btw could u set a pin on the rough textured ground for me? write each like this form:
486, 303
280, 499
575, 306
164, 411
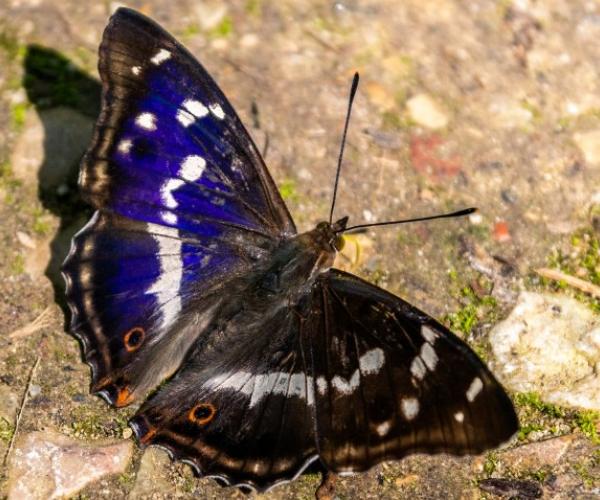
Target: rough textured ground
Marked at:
494, 104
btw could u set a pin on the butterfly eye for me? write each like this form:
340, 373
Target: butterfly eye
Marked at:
202, 413
133, 338
339, 243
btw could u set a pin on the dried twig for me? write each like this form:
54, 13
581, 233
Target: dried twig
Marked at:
584, 286
42, 321
21, 407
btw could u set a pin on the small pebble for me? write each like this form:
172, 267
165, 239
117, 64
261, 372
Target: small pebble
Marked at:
426, 112
475, 218
589, 145
127, 433
501, 232
34, 390
25, 240
508, 196
368, 215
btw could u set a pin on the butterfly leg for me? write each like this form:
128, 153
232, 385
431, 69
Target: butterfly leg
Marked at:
326, 490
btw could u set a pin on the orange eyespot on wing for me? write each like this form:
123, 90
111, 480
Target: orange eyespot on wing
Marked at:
146, 438
202, 413
134, 338
124, 397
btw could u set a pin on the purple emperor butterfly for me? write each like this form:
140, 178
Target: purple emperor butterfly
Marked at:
191, 283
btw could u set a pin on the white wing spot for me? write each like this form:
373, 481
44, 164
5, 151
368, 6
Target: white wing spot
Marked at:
418, 368
346, 386
410, 408
372, 361
264, 384
369, 363
166, 192
217, 110
428, 334
168, 217
191, 110
459, 417
161, 56
146, 120
136, 70
322, 385
383, 429
429, 356
124, 146
474, 389
166, 287
192, 167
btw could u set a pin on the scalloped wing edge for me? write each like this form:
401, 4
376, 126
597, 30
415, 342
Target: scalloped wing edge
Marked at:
227, 479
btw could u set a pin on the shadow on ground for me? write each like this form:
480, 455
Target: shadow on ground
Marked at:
63, 96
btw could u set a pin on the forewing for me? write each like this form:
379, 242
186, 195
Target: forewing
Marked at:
390, 380
168, 147
242, 410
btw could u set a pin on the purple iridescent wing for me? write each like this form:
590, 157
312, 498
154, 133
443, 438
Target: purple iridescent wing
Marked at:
184, 202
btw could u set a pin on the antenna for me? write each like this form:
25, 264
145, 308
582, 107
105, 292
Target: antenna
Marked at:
339, 164
460, 213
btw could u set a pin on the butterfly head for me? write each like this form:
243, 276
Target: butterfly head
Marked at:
332, 233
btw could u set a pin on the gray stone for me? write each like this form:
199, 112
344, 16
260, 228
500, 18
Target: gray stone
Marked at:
541, 454
50, 147
589, 145
9, 403
51, 465
152, 475
550, 344
34, 390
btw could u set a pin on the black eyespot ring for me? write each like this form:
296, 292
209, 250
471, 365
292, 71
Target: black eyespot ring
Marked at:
202, 413
134, 338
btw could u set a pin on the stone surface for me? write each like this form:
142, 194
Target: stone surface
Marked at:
152, 474
51, 465
550, 344
426, 112
9, 403
534, 456
36, 260
50, 147
589, 144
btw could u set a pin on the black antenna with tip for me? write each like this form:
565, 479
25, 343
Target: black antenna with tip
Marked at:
339, 165
460, 213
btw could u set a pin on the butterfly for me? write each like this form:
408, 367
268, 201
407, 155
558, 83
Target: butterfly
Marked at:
191, 286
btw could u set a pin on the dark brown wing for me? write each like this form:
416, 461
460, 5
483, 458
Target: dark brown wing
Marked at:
390, 380
241, 410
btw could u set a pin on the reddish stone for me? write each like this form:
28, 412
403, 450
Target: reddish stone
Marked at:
501, 232
424, 157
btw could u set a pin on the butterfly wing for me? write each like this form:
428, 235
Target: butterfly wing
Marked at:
183, 201
390, 380
241, 410
350, 373
168, 147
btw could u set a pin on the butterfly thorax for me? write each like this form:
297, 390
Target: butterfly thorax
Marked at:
297, 262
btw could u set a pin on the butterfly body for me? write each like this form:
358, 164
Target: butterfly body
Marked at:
191, 285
